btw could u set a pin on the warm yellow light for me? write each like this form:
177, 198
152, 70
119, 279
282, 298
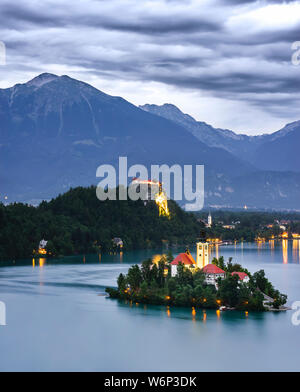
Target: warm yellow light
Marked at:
42, 262
168, 297
162, 202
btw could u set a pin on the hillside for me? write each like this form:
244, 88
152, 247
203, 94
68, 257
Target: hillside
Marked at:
77, 222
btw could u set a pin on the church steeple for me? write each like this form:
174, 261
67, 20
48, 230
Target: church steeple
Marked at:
209, 220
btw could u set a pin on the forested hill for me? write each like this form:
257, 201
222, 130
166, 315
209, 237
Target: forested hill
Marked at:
77, 222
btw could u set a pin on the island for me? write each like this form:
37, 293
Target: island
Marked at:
218, 285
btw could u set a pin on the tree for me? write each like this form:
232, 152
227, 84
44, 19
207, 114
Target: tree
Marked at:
50, 248
134, 277
229, 290
121, 283
146, 270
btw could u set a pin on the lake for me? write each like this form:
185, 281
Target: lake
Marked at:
58, 319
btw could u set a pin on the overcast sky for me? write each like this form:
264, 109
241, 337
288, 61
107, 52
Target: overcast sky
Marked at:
226, 62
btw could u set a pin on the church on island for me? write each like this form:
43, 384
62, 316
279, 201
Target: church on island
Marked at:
212, 272
188, 261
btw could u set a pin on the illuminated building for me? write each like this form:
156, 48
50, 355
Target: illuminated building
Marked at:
162, 201
42, 247
202, 254
285, 235
184, 258
229, 227
152, 190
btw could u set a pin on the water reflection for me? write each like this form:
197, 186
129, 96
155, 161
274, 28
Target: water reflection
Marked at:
168, 311
217, 251
285, 248
193, 314
295, 250
42, 262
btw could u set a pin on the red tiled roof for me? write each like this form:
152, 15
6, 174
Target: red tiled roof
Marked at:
241, 275
183, 258
212, 269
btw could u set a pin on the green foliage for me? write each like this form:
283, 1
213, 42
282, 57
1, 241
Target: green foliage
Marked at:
151, 284
78, 223
229, 290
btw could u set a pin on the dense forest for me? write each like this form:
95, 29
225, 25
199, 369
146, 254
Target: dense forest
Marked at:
153, 284
77, 222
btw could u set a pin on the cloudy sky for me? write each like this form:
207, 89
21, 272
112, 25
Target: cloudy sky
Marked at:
226, 62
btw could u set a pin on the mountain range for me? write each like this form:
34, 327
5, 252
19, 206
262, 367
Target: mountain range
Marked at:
276, 151
55, 131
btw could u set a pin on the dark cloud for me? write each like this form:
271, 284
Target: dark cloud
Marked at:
220, 48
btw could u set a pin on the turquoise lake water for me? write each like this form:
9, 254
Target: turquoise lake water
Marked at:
58, 319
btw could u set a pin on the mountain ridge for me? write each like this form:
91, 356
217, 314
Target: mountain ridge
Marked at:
55, 131
249, 148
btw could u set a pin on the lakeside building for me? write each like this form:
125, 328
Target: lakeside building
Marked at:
202, 259
184, 258
243, 277
42, 247
118, 242
213, 273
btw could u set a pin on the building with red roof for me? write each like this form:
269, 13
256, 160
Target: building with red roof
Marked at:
243, 277
213, 273
184, 258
